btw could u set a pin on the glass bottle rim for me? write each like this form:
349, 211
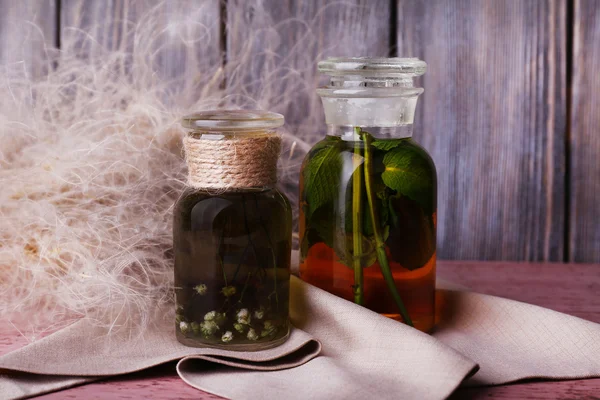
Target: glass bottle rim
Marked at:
393, 67
232, 120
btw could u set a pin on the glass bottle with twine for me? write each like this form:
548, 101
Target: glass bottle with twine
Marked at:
232, 234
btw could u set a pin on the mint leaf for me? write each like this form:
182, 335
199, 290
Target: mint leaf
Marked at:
411, 239
383, 211
410, 172
321, 176
323, 226
386, 144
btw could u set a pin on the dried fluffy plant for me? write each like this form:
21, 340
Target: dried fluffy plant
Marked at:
91, 163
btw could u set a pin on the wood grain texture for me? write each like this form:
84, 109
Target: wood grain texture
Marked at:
27, 32
564, 390
584, 135
569, 288
292, 36
160, 383
184, 40
494, 118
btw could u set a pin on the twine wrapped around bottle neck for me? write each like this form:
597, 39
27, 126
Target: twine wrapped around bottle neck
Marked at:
232, 162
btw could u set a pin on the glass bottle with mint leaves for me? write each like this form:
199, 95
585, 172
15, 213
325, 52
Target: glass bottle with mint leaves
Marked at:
232, 234
368, 193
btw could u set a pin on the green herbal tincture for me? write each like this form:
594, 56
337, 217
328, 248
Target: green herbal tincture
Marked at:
368, 193
232, 234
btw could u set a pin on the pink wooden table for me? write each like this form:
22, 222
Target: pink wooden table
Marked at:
569, 288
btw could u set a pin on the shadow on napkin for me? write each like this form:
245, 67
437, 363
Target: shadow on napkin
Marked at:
513, 341
363, 354
83, 352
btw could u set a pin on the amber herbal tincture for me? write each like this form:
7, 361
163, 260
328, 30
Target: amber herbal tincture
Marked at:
232, 234
368, 193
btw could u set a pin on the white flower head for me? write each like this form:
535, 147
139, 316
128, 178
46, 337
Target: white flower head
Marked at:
201, 289
239, 327
229, 291
184, 327
210, 316
208, 328
252, 334
243, 316
227, 336
269, 329
259, 314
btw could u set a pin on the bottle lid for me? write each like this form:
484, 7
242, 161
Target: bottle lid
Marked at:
393, 67
370, 92
232, 120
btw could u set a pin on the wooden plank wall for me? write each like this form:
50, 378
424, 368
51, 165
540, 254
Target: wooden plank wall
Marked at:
584, 135
494, 117
510, 113
327, 29
27, 29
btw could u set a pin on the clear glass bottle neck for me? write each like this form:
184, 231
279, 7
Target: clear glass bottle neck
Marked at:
385, 107
348, 132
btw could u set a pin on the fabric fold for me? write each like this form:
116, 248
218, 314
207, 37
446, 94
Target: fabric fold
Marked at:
83, 352
479, 340
364, 355
512, 341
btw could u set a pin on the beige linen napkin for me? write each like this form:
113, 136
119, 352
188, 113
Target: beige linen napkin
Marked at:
363, 354
83, 352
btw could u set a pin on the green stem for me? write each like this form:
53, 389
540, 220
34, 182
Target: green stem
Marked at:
245, 286
247, 225
221, 258
262, 224
250, 244
379, 242
357, 220
237, 270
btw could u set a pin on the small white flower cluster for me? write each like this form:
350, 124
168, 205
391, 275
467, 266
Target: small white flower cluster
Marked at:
201, 289
210, 316
179, 314
243, 317
184, 327
268, 329
259, 314
252, 335
227, 337
211, 323
214, 321
229, 291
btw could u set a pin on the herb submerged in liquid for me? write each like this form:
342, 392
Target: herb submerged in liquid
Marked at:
368, 205
232, 259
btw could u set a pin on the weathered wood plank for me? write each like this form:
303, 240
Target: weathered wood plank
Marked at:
494, 118
584, 135
568, 288
27, 30
275, 46
575, 389
180, 40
